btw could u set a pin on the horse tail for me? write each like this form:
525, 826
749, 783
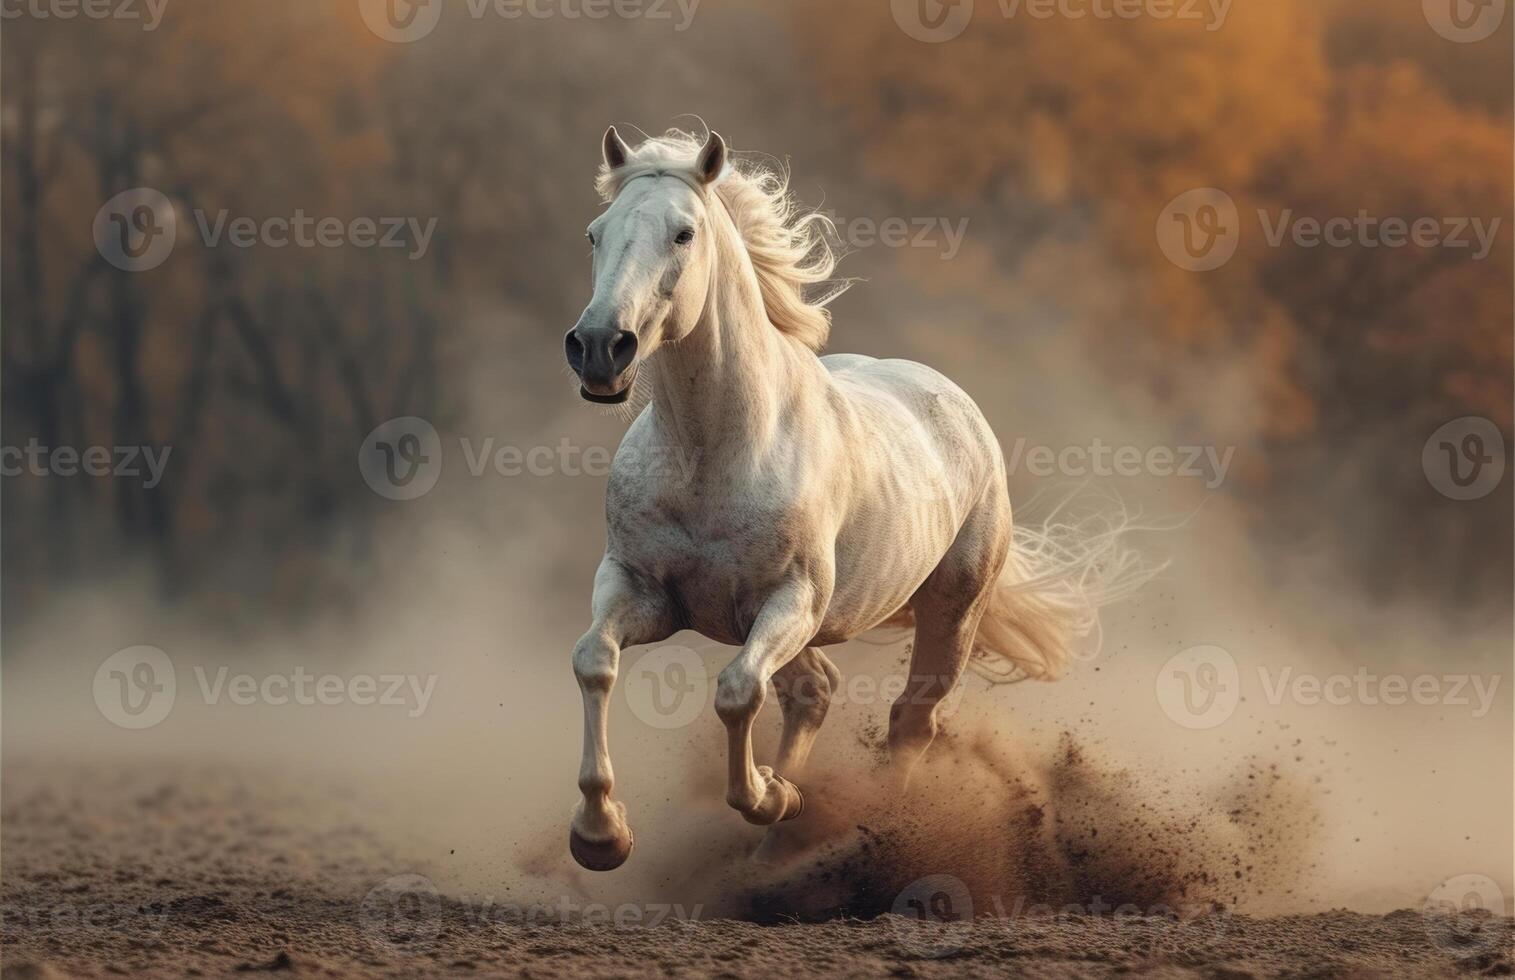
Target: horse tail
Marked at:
1045, 605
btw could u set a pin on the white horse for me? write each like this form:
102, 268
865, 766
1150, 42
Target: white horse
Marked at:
831, 494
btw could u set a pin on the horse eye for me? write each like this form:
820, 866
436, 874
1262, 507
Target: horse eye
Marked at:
684, 237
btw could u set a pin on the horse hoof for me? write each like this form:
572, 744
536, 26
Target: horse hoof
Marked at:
600, 855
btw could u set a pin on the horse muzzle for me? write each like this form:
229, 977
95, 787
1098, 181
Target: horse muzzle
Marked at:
605, 361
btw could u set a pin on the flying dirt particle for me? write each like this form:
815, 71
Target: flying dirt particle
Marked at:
1073, 833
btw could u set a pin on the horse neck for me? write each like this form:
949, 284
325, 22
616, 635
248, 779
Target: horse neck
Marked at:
726, 386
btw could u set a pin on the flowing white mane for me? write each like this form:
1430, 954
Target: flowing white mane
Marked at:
789, 248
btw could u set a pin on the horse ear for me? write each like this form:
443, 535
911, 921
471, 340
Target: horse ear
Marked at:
615, 150
712, 159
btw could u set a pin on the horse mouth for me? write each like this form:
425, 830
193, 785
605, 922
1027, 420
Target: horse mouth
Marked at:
615, 398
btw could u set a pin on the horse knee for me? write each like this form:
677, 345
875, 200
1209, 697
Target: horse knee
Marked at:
738, 694
594, 663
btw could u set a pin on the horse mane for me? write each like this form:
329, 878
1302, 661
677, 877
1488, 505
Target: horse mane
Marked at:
790, 248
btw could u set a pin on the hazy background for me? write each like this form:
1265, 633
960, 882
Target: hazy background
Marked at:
1058, 141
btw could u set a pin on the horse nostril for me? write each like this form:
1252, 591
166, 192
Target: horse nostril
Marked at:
574, 347
623, 351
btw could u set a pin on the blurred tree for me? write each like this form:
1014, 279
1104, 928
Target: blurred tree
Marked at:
1080, 131
241, 360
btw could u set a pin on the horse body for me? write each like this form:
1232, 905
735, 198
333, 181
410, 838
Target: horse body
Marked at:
865, 528
827, 494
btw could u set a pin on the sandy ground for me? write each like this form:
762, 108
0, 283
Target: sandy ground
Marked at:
174, 871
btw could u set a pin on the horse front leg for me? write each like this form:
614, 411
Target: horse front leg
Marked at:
627, 611
782, 629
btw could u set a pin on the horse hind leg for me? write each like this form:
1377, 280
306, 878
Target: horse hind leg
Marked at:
948, 607
805, 686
